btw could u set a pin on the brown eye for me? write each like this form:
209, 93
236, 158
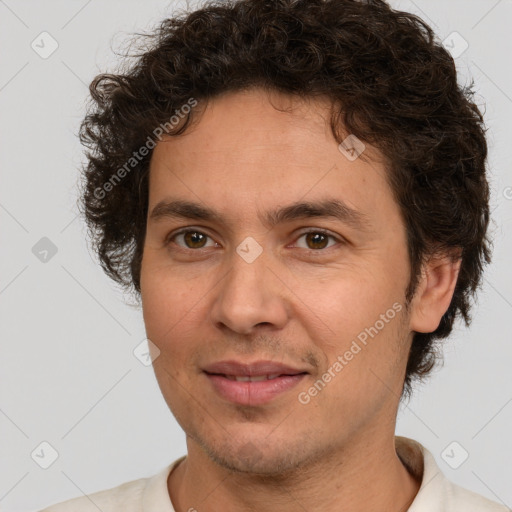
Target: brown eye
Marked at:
317, 240
194, 239
191, 239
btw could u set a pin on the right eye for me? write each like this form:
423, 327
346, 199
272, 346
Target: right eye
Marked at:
189, 239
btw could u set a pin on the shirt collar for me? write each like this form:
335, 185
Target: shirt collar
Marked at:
422, 465
156, 494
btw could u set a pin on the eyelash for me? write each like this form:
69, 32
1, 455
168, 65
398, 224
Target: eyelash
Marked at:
172, 236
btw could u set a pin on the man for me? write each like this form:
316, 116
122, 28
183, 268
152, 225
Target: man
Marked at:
297, 192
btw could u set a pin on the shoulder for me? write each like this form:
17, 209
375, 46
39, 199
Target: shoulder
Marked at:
436, 492
127, 497
130, 496
459, 499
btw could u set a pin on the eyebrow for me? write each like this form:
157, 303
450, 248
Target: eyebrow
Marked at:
328, 208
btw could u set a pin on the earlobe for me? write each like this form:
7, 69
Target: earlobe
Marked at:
434, 292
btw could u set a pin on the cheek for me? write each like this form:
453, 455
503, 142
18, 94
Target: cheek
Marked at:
347, 301
175, 311
364, 365
361, 322
169, 328
165, 303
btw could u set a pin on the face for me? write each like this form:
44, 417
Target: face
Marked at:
248, 273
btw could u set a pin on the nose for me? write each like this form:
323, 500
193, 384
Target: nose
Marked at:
249, 297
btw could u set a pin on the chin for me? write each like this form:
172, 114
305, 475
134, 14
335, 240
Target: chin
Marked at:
258, 458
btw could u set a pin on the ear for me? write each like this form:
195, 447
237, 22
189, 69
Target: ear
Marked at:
434, 291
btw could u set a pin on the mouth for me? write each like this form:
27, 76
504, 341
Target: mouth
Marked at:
255, 378
252, 385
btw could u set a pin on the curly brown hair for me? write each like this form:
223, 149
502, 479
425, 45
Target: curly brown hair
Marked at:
391, 82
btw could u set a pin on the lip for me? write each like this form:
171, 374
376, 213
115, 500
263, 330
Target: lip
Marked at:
252, 393
252, 369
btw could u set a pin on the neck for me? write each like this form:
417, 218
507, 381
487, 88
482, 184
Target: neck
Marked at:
358, 477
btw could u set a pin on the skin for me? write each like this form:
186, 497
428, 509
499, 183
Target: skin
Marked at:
299, 302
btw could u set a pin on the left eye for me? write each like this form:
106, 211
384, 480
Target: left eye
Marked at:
317, 239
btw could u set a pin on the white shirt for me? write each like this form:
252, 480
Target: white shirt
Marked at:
436, 493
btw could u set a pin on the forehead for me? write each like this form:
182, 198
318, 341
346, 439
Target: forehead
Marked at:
252, 126
252, 148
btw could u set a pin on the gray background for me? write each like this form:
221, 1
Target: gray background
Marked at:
68, 373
